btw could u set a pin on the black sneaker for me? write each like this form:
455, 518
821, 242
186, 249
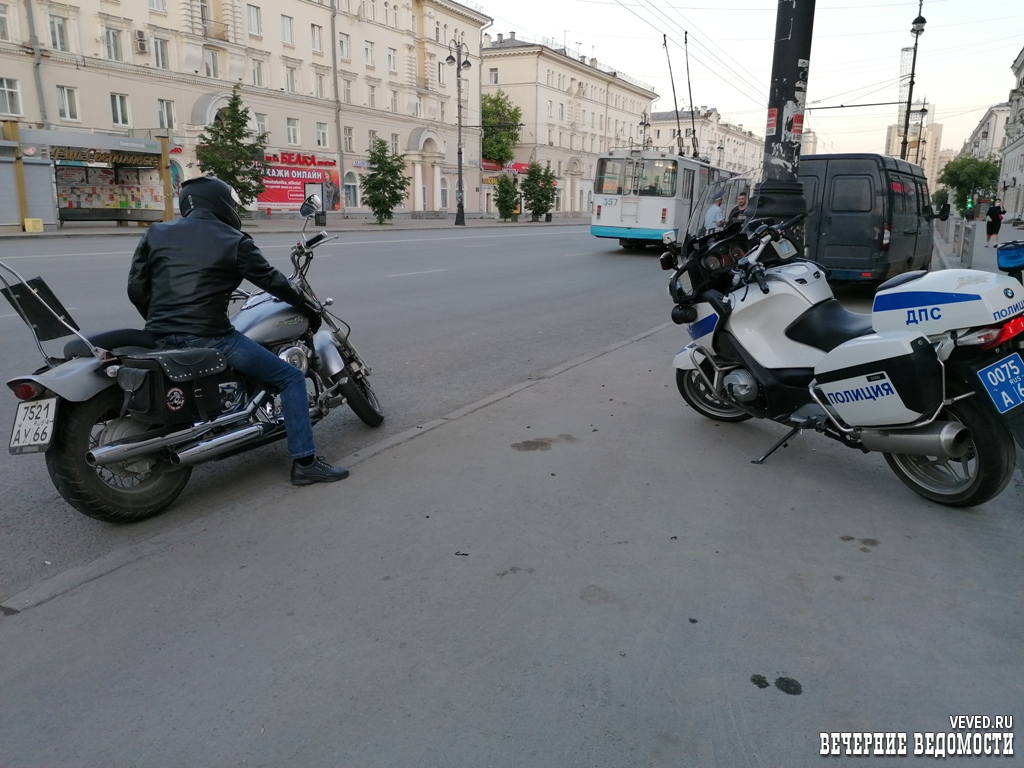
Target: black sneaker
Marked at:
317, 472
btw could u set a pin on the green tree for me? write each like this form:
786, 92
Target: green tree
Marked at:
507, 197
539, 189
232, 152
968, 176
500, 118
385, 186
940, 197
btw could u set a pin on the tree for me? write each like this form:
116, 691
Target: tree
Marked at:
232, 152
384, 188
968, 176
539, 189
507, 197
940, 197
500, 118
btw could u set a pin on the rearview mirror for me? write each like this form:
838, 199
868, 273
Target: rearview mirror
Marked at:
310, 206
944, 212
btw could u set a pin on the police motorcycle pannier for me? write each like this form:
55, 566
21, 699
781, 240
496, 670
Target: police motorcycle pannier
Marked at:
174, 386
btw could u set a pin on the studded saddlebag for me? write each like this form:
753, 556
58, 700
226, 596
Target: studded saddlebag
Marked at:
174, 386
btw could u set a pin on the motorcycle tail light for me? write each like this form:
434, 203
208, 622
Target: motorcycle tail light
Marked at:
993, 335
27, 390
1010, 330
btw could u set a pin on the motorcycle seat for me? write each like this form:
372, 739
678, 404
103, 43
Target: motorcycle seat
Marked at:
110, 340
827, 325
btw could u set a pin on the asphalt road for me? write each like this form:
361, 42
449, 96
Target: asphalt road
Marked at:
444, 319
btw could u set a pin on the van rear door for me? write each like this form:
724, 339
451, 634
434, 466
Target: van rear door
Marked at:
850, 232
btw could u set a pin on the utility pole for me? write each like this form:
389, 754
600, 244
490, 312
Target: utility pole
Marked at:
780, 195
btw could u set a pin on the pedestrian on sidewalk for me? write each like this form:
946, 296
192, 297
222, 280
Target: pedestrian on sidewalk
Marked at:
995, 219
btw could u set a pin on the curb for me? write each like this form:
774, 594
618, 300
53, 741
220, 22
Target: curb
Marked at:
64, 582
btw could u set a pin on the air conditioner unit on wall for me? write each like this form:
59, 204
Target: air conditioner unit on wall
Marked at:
141, 44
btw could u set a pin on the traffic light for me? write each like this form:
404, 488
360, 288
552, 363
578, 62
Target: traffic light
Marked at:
970, 203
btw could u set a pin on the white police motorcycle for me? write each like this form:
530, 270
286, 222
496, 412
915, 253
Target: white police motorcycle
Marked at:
933, 378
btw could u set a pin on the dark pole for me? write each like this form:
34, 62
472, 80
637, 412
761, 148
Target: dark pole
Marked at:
780, 195
460, 59
915, 30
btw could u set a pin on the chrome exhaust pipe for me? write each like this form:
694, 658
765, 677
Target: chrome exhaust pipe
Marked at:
944, 440
215, 446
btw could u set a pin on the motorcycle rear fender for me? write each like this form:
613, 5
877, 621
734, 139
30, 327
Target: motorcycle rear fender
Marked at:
77, 380
327, 351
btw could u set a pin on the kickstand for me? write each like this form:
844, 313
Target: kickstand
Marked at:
789, 435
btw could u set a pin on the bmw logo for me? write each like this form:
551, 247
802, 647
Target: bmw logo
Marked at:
1008, 293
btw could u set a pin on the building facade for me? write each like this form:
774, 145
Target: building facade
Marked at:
1011, 173
322, 78
718, 142
573, 109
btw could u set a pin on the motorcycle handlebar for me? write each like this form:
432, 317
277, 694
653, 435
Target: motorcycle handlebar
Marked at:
762, 283
316, 239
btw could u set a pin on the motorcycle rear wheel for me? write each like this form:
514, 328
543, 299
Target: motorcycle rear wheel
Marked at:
979, 475
699, 396
116, 493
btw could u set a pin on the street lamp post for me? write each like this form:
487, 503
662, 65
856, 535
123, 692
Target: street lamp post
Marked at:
458, 57
916, 29
645, 126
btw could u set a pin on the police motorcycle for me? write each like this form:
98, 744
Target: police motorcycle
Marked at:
122, 422
933, 378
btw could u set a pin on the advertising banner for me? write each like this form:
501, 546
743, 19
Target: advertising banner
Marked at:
290, 177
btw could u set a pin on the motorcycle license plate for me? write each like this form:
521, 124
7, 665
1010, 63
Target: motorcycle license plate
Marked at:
1004, 382
33, 426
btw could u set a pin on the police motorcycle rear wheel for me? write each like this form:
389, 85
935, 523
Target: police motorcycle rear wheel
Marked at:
979, 475
128, 492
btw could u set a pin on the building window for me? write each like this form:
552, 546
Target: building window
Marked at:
317, 37
286, 30
417, 109
210, 68
67, 102
344, 46
59, 33
5, 22
165, 110
492, 76
373, 10
158, 5
561, 111
257, 73
321, 85
255, 20
161, 58
291, 79
392, 59
551, 108
437, 31
394, 101
444, 111
321, 135
10, 97
368, 53
394, 143
119, 109
347, 137
351, 190
372, 136
371, 96
112, 43
346, 91
444, 194
441, 67
261, 123
293, 130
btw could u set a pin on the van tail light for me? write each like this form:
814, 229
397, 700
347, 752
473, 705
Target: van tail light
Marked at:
664, 214
599, 211
994, 335
886, 237
26, 390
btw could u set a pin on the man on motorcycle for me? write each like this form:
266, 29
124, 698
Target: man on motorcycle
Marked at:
181, 279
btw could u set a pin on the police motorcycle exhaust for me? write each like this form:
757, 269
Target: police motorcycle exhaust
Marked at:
932, 378
121, 422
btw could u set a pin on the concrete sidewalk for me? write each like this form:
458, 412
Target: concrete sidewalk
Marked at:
290, 223
579, 571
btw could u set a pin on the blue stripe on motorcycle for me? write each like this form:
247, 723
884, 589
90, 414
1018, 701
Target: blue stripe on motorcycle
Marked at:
916, 299
702, 327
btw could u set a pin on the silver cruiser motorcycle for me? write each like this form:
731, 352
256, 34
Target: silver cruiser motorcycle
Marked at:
122, 422
932, 378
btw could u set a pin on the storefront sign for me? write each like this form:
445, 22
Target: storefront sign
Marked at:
83, 155
285, 187
294, 158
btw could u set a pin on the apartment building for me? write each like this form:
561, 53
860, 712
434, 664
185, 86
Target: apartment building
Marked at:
1011, 173
574, 108
718, 142
322, 77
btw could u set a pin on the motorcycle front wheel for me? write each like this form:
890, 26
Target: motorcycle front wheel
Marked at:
361, 398
699, 396
974, 478
115, 493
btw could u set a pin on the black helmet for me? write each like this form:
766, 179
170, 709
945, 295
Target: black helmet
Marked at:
210, 194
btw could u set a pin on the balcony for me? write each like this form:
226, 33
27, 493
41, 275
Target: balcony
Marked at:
214, 30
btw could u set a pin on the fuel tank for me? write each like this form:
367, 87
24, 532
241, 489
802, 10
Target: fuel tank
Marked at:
267, 320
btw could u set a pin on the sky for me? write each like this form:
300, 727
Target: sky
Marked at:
963, 60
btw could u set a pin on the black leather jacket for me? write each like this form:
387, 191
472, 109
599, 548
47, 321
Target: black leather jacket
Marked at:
183, 273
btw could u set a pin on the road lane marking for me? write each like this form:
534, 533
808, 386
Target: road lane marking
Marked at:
424, 272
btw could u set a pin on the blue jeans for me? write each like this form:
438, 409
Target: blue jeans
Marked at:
247, 357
